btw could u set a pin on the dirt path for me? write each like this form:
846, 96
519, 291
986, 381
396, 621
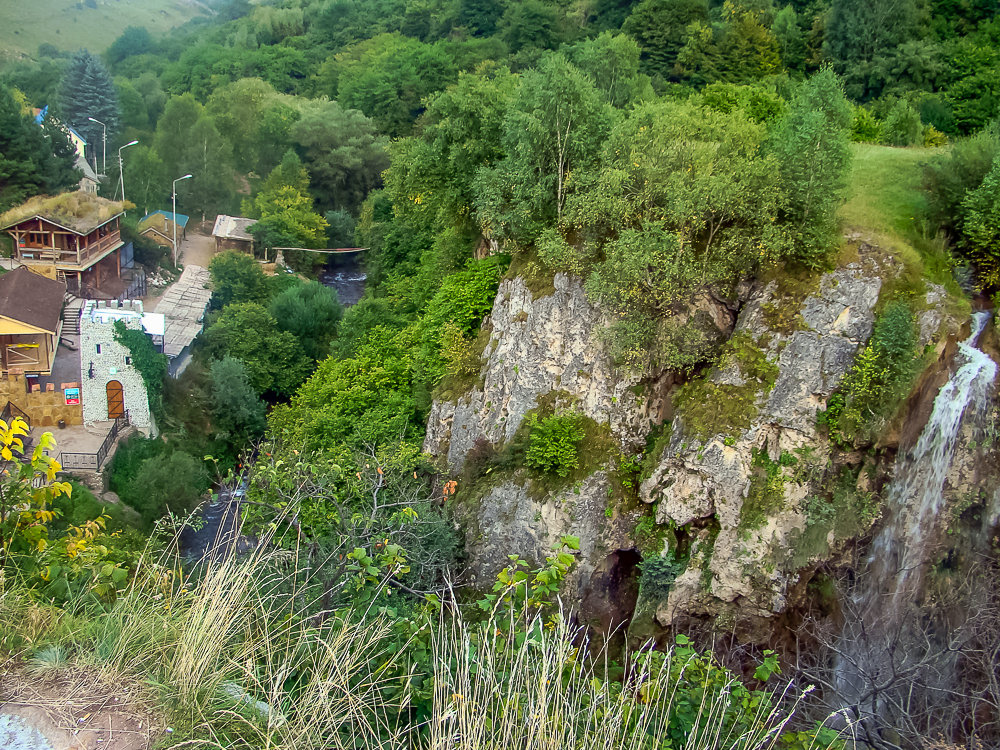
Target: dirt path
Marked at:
197, 250
199, 247
74, 709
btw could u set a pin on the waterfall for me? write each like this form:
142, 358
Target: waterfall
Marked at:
873, 642
899, 553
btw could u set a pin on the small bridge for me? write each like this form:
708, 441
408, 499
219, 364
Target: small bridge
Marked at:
327, 251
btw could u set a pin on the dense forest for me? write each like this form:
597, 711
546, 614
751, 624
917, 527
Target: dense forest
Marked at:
675, 157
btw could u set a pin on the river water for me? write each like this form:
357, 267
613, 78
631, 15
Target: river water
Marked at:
346, 274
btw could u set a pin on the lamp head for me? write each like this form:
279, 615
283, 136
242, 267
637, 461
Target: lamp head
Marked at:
131, 143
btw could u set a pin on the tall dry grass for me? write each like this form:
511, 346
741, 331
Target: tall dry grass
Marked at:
544, 694
236, 664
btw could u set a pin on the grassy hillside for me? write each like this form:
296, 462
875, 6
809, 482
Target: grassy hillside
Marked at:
884, 192
70, 25
885, 204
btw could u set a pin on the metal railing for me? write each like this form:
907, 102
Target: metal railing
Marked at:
94, 461
11, 411
136, 287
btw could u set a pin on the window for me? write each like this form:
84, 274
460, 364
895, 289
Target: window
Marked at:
128, 360
98, 348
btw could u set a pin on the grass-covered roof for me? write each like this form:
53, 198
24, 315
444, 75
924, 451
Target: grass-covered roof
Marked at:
82, 212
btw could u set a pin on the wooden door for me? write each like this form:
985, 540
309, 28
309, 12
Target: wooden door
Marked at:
116, 400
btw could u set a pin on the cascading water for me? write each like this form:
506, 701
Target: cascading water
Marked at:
899, 553
872, 648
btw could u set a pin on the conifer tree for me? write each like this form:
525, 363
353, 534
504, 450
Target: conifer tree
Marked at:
33, 160
86, 91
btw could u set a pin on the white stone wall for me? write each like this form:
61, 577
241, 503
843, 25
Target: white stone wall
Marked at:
98, 368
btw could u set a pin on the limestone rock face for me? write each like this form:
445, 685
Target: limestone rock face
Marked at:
539, 347
510, 520
739, 502
740, 554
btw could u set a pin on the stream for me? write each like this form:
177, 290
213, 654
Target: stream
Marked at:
345, 274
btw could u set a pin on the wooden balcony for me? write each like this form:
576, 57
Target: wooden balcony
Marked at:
71, 260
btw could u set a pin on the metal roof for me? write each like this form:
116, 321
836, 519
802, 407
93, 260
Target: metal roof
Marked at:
233, 227
182, 220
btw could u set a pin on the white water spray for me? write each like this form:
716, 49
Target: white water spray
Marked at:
868, 650
900, 552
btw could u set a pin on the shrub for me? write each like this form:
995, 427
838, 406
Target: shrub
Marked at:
902, 125
865, 127
173, 483
878, 379
554, 442
934, 137
659, 573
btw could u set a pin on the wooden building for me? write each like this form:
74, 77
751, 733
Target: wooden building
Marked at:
231, 233
30, 321
73, 237
159, 227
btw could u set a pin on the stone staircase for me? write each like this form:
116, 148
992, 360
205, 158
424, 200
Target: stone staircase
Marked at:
71, 315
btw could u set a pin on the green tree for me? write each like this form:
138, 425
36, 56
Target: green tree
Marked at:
133, 106
207, 156
430, 177
661, 29
790, 38
274, 358
902, 125
813, 151
858, 32
340, 229
146, 178
612, 62
387, 77
685, 201
288, 219
553, 132
135, 40
236, 278
256, 121
174, 483
237, 410
86, 91
179, 116
981, 227
530, 24
345, 155
366, 399
739, 50
480, 16
32, 159
311, 312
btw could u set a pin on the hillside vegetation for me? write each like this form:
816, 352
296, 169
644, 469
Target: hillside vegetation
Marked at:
68, 25
614, 184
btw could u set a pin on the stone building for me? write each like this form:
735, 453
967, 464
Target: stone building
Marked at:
110, 384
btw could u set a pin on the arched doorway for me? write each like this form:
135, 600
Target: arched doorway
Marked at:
116, 400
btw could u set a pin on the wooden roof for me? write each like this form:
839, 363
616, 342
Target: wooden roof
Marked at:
31, 299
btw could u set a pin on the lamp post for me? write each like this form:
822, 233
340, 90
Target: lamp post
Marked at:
121, 169
104, 139
173, 217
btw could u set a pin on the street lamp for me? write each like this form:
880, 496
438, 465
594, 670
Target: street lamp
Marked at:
104, 138
173, 217
121, 170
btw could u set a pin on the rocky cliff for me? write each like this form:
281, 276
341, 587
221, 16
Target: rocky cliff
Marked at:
742, 495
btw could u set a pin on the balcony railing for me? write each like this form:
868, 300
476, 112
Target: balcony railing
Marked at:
70, 257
